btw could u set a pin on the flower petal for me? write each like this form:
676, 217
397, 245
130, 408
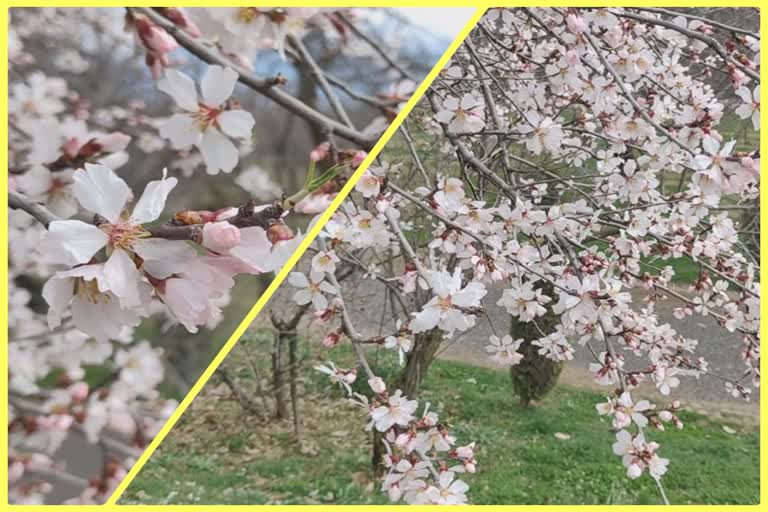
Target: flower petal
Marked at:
57, 292
181, 88
101, 191
425, 320
72, 242
254, 247
219, 153
181, 130
123, 278
152, 201
236, 123
162, 258
217, 85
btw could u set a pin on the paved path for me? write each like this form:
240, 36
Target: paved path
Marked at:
719, 347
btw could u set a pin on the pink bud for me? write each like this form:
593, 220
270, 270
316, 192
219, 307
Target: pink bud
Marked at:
279, 232
179, 17
349, 376
123, 423
39, 460
220, 236
331, 339
358, 158
320, 152
466, 452
377, 385
154, 38
71, 147
222, 214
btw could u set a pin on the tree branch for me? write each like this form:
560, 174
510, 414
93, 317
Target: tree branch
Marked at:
264, 86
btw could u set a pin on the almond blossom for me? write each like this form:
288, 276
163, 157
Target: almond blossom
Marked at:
462, 115
207, 122
99, 190
504, 351
750, 109
448, 308
311, 290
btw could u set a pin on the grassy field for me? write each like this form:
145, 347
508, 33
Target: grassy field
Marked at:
219, 455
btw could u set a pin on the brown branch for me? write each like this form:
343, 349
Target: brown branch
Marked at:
264, 86
245, 218
17, 201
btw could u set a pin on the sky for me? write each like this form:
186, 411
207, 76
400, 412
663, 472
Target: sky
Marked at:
446, 21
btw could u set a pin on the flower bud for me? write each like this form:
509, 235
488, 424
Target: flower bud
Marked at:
575, 23
358, 157
220, 236
331, 339
179, 18
15, 471
154, 38
348, 376
73, 147
279, 232
321, 152
377, 385
222, 214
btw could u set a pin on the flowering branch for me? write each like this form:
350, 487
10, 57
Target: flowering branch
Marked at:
265, 86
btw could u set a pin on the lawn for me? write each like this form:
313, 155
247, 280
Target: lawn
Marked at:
219, 455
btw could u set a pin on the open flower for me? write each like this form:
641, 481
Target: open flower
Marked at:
338, 375
544, 133
524, 302
448, 491
204, 120
447, 310
399, 341
95, 310
504, 350
462, 116
398, 411
750, 109
99, 190
311, 290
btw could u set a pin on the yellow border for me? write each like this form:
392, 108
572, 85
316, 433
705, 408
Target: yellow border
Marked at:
481, 5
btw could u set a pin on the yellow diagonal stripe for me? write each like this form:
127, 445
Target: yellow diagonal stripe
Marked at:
324, 218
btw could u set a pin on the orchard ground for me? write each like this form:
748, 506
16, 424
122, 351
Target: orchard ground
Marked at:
220, 454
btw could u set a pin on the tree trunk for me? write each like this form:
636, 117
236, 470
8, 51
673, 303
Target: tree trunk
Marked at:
293, 361
278, 377
535, 375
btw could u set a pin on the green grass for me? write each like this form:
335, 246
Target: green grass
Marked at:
217, 455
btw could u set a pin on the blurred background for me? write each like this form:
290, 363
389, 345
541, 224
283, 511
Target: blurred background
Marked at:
105, 73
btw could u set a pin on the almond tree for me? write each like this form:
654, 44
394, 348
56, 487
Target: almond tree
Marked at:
565, 155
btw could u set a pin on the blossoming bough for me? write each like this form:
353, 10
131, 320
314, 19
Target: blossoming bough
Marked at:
564, 156
79, 287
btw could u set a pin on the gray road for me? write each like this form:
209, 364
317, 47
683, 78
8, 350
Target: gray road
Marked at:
707, 394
